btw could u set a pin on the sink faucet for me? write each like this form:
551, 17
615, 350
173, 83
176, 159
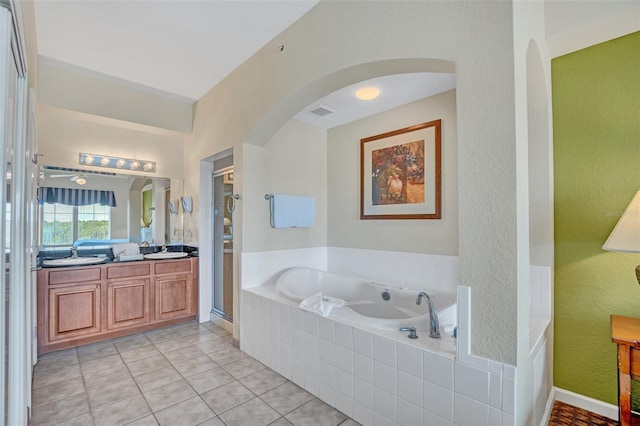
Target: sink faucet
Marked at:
164, 248
434, 329
74, 252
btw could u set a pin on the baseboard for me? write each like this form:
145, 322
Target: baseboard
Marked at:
586, 403
549, 408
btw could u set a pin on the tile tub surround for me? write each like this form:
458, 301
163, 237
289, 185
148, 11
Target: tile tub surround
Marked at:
371, 375
179, 376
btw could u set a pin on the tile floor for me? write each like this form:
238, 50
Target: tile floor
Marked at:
180, 376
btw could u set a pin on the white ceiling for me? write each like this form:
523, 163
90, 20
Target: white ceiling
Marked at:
183, 48
395, 90
179, 47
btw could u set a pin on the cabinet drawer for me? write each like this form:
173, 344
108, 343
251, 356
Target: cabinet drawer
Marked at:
75, 275
133, 270
172, 267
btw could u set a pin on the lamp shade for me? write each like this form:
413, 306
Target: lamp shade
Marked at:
626, 235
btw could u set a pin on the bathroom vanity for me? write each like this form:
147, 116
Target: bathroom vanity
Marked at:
86, 304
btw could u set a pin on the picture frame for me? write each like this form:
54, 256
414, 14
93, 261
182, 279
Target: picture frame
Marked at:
401, 173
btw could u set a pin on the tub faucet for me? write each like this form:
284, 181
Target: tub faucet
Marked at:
434, 328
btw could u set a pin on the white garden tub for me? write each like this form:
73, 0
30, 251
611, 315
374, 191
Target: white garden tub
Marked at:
366, 304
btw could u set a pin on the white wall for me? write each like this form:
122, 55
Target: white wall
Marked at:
64, 134
532, 71
294, 162
76, 89
338, 43
343, 163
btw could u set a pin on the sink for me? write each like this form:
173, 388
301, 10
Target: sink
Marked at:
166, 255
73, 261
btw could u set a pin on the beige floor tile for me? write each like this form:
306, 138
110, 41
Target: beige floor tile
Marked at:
168, 395
191, 329
146, 365
350, 422
183, 354
149, 420
95, 365
286, 398
243, 367
201, 336
187, 413
211, 379
60, 410
213, 345
254, 412
227, 397
140, 353
262, 381
227, 355
113, 392
163, 335
316, 412
55, 375
172, 345
85, 419
57, 360
213, 421
130, 343
281, 422
96, 380
96, 350
121, 412
59, 390
195, 365
155, 379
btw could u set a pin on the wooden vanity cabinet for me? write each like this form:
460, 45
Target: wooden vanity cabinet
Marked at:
128, 303
80, 305
74, 311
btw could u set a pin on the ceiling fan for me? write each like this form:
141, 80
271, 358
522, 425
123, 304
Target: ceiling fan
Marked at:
79, 178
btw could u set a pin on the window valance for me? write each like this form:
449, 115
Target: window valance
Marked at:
76, 197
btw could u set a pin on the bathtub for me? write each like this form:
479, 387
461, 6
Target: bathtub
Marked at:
365, 302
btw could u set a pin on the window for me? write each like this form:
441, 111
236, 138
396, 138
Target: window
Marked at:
63, 224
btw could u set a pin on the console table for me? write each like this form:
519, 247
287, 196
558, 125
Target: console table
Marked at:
625, 332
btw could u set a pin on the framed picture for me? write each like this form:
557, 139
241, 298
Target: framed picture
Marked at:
400, 173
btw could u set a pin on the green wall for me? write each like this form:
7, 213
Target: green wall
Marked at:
596, 114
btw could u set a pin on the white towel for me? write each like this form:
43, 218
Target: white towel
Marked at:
291, 211
128, 249
321, 305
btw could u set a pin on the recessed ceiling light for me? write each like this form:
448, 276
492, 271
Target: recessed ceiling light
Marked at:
367, 93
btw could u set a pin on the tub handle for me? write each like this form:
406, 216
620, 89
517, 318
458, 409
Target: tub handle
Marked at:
412, 332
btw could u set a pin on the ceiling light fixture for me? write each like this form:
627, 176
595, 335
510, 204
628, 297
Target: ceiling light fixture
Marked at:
81, 181
367, 93
117, 162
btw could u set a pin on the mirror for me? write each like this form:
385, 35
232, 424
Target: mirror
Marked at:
142, 211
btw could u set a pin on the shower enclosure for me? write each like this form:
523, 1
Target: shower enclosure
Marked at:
224, 202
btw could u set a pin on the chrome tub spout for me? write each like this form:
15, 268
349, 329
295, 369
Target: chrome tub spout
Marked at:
434, 324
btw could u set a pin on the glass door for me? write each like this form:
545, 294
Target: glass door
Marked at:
223, 206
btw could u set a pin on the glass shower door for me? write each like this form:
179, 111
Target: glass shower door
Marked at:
223, 206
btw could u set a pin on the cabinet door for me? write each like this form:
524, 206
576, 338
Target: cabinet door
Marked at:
127, 303
74, 311
173, 296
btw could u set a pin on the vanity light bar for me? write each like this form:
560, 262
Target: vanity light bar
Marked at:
117, 162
